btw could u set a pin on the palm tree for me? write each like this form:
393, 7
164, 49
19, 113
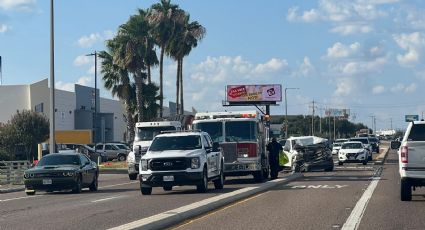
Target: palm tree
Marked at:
129, 52
163, 17
117, 80
187, 36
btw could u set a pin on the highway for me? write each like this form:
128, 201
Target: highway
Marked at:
351, 196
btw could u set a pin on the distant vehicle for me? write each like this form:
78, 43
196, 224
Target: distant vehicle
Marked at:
411, 161
85, 149
374, 142
145, 132
366, 144
112, 151
337, 145
181, 158
352, 151
62, 171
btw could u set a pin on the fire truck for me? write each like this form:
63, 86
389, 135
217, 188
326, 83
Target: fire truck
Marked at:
243, 137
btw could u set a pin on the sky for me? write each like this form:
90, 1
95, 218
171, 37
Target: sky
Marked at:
364, 55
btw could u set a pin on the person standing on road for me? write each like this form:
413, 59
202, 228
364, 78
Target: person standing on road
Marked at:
274, 148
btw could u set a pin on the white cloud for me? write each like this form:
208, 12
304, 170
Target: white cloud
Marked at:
400, 87
345, 86
3, 28
414, 46
352, 29
24, 5
397, 88
87, 41
271, 66
305, 69
83, 60
378, 89
410, 88
339, 50
71, 86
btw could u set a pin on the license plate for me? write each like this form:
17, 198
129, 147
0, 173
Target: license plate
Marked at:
47, 181
168, 178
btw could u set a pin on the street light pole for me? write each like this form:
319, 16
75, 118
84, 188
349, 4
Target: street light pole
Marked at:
95, 98
52, 141
286, 113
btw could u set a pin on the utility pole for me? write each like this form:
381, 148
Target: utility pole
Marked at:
334, 128
391, 120
52, 141
312, 121
373, 122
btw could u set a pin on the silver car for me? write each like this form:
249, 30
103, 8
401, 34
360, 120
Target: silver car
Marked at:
113, 151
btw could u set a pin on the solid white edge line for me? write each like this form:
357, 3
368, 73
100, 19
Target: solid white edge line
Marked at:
353, 221
105, 199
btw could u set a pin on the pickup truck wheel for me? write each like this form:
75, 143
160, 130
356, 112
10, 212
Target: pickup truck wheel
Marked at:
121, 157
330, 168
132, 176
364, 162
219, 183
146, 190
203, 186
340, 163
167, 188
405, 190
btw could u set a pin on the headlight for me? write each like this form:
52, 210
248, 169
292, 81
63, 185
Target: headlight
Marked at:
68, 173
195, 163
144, 165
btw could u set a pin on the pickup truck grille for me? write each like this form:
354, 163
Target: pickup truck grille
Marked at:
166, 164
229, 152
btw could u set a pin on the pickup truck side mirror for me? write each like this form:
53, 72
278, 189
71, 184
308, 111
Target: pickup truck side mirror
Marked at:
140, 150
395, 144
216, 147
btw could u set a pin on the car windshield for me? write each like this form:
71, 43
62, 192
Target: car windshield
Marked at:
337, 144
176, 143
362, 140
148, 133
352, 146
59, 160
214, 129
122, 147
241, 131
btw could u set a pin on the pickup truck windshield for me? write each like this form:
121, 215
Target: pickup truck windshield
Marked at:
148, 133
241, 131
417, 133
214, 129
176, 143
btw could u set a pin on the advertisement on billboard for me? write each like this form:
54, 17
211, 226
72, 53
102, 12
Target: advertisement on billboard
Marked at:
409, 118
339, 113
254, 93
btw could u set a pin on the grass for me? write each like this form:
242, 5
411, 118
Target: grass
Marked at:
113, 165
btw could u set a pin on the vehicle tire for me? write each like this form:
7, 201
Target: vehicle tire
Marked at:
79, 185
121, 157
330, 168
405, 190
258, 176
203, 186
132, 176
219, 183
266, 173
364, 162
30, 193
146, 190
296, 168
167, 188
95, 184
340, 163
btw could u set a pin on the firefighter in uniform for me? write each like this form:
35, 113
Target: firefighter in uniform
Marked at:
274, 148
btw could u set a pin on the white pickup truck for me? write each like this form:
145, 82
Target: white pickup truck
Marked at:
181, 158
411, 159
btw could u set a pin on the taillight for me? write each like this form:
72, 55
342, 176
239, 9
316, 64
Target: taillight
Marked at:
404, 154
247, 149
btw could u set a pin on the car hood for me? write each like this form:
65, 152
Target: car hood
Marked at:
351, 150
172, 153
49, 168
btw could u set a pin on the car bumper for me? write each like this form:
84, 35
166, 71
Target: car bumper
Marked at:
180, 178
57, 184
241, 167
359, 158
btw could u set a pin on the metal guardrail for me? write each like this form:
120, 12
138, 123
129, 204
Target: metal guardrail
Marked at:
12, 172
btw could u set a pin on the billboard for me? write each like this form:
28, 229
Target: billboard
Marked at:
254, 93
339, 113
409, 118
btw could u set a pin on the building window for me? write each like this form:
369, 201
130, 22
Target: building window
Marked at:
39, 108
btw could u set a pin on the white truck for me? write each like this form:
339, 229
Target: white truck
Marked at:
181, 158
243, 139
144, 134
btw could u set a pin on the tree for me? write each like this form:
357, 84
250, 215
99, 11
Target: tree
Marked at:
129, 50
117, 80
187, 35
25, 130
163, 18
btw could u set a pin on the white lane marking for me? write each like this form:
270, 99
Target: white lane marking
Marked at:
183, 209
19, 198
356, 215
105, 199
26, 197
318, 186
